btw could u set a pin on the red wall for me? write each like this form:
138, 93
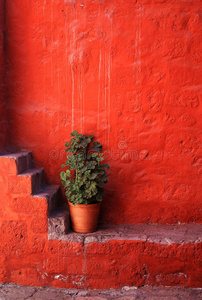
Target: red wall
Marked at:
3, 119
127, 72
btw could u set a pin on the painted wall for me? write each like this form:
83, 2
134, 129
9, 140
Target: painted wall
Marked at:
127, 72
3, 119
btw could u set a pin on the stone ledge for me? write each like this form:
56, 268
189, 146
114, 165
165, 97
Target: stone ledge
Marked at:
162, 234
17, 292
23, 160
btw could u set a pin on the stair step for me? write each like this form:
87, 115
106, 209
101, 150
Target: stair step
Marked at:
58, 222
52, 194
23, 160
37, 178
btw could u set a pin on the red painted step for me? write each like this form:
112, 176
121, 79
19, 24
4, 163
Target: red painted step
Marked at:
25, 180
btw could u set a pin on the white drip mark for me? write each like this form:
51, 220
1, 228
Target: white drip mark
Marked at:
58, 257
66, 47
105, 93
58, 72
44, 36
66, 58
72, 73
81, 95
138, 47
99, 88
83, 116
44, 64
51, 42
58, 86
109, 85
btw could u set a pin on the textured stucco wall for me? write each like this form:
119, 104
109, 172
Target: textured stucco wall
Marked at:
127, 72
3, 118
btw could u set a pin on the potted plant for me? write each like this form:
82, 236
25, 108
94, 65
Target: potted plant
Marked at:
83, 180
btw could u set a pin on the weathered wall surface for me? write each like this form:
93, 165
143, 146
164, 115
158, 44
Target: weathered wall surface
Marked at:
127, 72
3, 119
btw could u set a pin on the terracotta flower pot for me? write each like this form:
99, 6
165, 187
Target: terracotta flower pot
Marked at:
84, 217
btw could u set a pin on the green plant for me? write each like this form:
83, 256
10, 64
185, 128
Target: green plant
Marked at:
85, 175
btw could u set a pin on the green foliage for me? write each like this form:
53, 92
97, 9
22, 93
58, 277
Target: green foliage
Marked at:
85, 176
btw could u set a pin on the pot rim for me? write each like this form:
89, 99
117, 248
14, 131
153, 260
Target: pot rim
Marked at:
84, 205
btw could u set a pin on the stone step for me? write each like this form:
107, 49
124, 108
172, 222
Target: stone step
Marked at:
151, 233
11, 291
22, 160
58, 222
53, 195
37, 176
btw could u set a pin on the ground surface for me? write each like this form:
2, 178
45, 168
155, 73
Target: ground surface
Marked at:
16, 292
